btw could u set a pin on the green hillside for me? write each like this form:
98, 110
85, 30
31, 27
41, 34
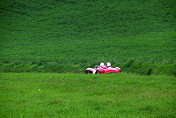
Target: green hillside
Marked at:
46, 35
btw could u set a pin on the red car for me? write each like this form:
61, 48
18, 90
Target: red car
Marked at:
102, 70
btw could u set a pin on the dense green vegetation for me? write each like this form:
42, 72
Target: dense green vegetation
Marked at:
77, 95
45, 35
67, 36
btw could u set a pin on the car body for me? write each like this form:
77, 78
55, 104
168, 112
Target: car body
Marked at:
102, 70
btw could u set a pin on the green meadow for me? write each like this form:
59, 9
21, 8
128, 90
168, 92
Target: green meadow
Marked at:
71, 35
84, 96
46, 45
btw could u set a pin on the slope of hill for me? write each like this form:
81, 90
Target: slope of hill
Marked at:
85, 32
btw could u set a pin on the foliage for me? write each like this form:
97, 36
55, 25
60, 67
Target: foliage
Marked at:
77, 95
36, 34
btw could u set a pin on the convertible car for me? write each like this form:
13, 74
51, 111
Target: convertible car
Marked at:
102, 70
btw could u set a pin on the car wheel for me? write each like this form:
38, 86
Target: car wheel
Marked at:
97, 72
87, 72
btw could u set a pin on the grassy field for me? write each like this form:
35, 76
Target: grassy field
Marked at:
78, 96
46, 35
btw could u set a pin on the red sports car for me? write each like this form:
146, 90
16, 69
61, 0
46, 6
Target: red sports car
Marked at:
102, 70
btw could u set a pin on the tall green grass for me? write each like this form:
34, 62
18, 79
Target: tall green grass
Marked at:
129, 67
35, 34
78, 95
